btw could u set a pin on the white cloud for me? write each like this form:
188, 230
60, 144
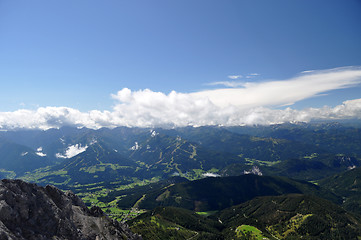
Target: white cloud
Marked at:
232, 84
72, 151
277, 93
234, 77
251, 104
210, 175
252, 75
41, 154
52, 117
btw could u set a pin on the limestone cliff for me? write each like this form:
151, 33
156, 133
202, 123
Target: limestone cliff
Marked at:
30, 212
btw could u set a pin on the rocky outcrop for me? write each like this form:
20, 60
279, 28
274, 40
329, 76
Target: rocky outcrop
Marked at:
30, 212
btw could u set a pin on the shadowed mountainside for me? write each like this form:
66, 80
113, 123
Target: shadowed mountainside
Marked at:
218, 193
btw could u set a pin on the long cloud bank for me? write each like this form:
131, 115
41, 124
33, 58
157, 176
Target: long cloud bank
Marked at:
246, 105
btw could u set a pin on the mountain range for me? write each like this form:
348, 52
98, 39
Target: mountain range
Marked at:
163, 152
127, 171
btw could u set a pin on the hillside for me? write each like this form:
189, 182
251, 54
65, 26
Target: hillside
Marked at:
16, 159
165, 155
334, 137
251, 147
293, 216
175, 223
348, 186
313, 167
95, 164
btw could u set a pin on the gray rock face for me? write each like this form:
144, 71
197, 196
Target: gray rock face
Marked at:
30, 212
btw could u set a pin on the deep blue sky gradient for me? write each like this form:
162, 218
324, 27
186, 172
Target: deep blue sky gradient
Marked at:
76, 53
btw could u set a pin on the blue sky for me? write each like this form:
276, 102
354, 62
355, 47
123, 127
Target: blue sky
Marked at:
76, 54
